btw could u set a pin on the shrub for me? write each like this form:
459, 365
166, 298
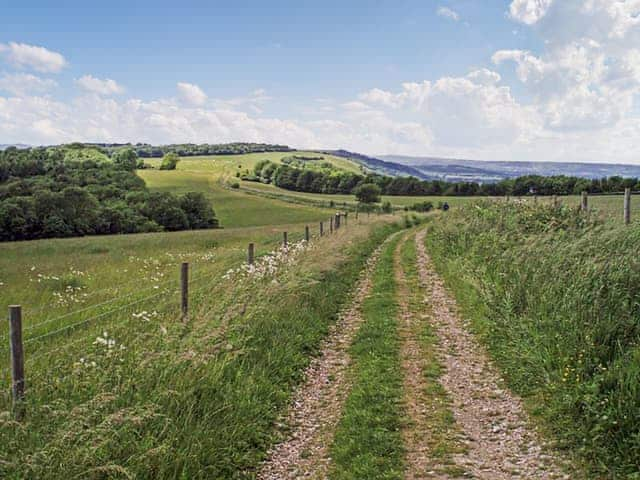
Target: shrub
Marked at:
169, 161
126, 159
368, 193
425, 206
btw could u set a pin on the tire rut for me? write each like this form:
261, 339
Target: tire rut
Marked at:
420, 461
500, 443
318, 401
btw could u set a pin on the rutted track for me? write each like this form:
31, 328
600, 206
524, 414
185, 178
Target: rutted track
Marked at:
501, 444
317, 403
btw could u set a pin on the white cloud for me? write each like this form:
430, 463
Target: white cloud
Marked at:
529, 11
31, 56
100, 86
446, 12
588, 77
484, 76
24, 83
254, 102
377, 96
191, 94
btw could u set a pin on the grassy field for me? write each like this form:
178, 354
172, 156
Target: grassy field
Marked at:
134, 391
233, 208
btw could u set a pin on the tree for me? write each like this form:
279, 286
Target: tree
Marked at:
198, 210
368, 193
126, 159
169, 161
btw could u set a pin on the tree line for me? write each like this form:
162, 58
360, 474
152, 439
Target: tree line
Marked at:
75, 191
333, 180
145, 150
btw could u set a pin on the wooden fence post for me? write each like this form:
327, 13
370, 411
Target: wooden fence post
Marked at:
250, 254
346, 214
184, 289
321, 229
337, 221
306, 233
584, 202
17, 360
627, 206
331, 225
285, 239
555, 200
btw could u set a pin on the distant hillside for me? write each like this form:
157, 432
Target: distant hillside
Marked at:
382, 167
4, 146
454, 169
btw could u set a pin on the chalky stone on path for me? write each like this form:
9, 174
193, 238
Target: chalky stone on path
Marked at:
501, 443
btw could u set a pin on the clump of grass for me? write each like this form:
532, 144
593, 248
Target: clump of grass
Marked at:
554, 295
368, 442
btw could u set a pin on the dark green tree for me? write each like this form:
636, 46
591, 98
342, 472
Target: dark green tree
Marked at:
368, 193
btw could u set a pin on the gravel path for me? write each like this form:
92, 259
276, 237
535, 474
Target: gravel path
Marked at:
419, 461
501, 444
317, 403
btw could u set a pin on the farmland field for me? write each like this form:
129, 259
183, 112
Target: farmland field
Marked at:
234, 209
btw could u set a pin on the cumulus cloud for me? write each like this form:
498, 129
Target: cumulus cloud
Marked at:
588, 75
37, 58
446, 12
24, 83
463, 111
191, 94
529, 11
100, 86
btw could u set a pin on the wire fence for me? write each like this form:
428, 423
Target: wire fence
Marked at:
31, 344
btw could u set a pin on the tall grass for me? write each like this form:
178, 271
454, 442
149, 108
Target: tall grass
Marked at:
197, 399
555, 295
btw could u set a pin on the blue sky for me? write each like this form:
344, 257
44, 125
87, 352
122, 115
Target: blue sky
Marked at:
520, 79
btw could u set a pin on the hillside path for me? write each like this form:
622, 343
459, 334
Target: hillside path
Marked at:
500, 442
318, 401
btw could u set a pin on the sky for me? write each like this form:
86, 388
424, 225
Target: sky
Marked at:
543, 80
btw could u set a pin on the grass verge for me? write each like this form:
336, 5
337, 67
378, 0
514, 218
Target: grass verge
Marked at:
554, 297
368, 443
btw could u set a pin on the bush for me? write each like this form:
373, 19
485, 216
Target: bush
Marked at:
125, 159
386, 207
169, 161
368, 193
235, 185
425, 206
250, 178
